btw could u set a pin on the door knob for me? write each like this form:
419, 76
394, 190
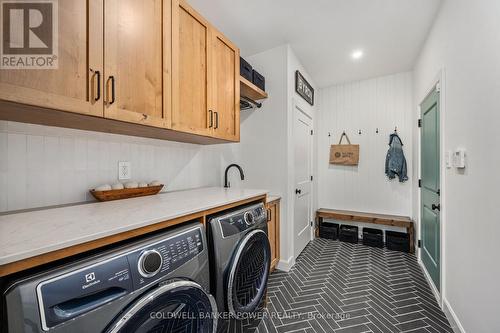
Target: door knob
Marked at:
297, 191
436, 207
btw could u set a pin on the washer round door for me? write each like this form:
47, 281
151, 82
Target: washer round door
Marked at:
181, 306
247, 281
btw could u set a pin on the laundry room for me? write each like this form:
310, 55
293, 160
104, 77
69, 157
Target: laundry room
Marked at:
234, 166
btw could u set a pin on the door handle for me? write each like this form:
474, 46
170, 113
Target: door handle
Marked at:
98, 77
112, 79
211, 119
436, 207
268, 215
297, 191
216, 120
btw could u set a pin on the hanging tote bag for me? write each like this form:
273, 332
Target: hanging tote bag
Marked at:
344, 154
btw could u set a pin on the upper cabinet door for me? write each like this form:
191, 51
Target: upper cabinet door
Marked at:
226, 87
191, 70
73, 85
134, 62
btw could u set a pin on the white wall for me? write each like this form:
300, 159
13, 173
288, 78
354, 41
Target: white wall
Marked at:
44, 166
264, 152
294, 64
383, 103
465, 43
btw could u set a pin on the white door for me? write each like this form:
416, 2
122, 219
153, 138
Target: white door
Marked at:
303, 179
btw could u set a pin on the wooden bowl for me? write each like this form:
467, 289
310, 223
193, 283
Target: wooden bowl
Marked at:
126, 193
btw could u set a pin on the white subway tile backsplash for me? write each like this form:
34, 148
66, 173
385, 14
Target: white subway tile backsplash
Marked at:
35, 188
3, 152
17, 190
67, 154
80, 154
16, 155
45, 166
3, 191
93, 155
35, 152
52, 153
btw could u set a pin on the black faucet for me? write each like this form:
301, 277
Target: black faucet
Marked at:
226, 183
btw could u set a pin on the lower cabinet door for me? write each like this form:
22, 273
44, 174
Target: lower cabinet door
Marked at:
273, 211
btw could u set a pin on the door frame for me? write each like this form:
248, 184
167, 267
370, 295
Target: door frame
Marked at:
438, 81
307, 111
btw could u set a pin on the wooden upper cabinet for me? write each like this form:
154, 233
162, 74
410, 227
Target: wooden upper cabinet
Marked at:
191, 70
135, 33
226, 87
73, 85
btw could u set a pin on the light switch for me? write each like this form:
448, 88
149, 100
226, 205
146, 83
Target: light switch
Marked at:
448, 159
459, 158
124, 170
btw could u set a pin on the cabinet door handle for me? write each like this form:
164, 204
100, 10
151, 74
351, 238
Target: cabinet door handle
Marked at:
268, 215
436, 207
98, 76
216, 120
112, 79
211, 119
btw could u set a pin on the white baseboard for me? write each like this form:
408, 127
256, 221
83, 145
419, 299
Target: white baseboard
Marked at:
435, 291
452, 317
286, 265
446, 307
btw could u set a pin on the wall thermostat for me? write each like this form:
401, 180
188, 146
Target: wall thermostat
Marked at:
459, 158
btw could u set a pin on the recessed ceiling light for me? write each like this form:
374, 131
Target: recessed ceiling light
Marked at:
357, 54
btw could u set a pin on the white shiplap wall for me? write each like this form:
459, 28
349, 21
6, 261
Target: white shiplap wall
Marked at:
44, 166
382, 103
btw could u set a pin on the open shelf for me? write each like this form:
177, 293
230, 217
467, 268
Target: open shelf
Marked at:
250, 90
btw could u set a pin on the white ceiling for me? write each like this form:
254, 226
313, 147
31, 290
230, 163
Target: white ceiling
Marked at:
323, 33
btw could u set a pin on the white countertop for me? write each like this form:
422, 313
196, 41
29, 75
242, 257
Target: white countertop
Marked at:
272, 197
25, 235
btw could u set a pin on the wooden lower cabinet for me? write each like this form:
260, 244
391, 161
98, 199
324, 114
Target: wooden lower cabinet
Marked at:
273, 228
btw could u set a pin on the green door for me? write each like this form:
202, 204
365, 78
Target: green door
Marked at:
430, 201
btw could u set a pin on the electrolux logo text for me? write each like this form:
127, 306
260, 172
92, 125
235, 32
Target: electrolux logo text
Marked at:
29, 34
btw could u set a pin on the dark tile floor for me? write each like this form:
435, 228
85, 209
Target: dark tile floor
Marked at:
340, 287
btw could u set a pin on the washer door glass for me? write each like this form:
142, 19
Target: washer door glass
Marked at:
181, 306
249, 272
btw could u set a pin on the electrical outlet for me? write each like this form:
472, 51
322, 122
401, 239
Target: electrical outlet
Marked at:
124, 170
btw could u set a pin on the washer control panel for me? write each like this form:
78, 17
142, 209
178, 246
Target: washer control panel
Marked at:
242, 220
158, 260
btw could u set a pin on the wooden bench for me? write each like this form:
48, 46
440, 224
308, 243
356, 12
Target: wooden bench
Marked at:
381, 219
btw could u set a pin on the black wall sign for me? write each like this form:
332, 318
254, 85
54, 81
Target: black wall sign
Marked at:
303, 88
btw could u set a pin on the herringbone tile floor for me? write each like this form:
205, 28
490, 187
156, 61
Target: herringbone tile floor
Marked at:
340, 287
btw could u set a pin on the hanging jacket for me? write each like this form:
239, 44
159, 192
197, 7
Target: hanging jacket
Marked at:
395, 162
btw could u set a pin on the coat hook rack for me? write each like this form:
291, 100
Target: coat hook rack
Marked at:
359, 132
